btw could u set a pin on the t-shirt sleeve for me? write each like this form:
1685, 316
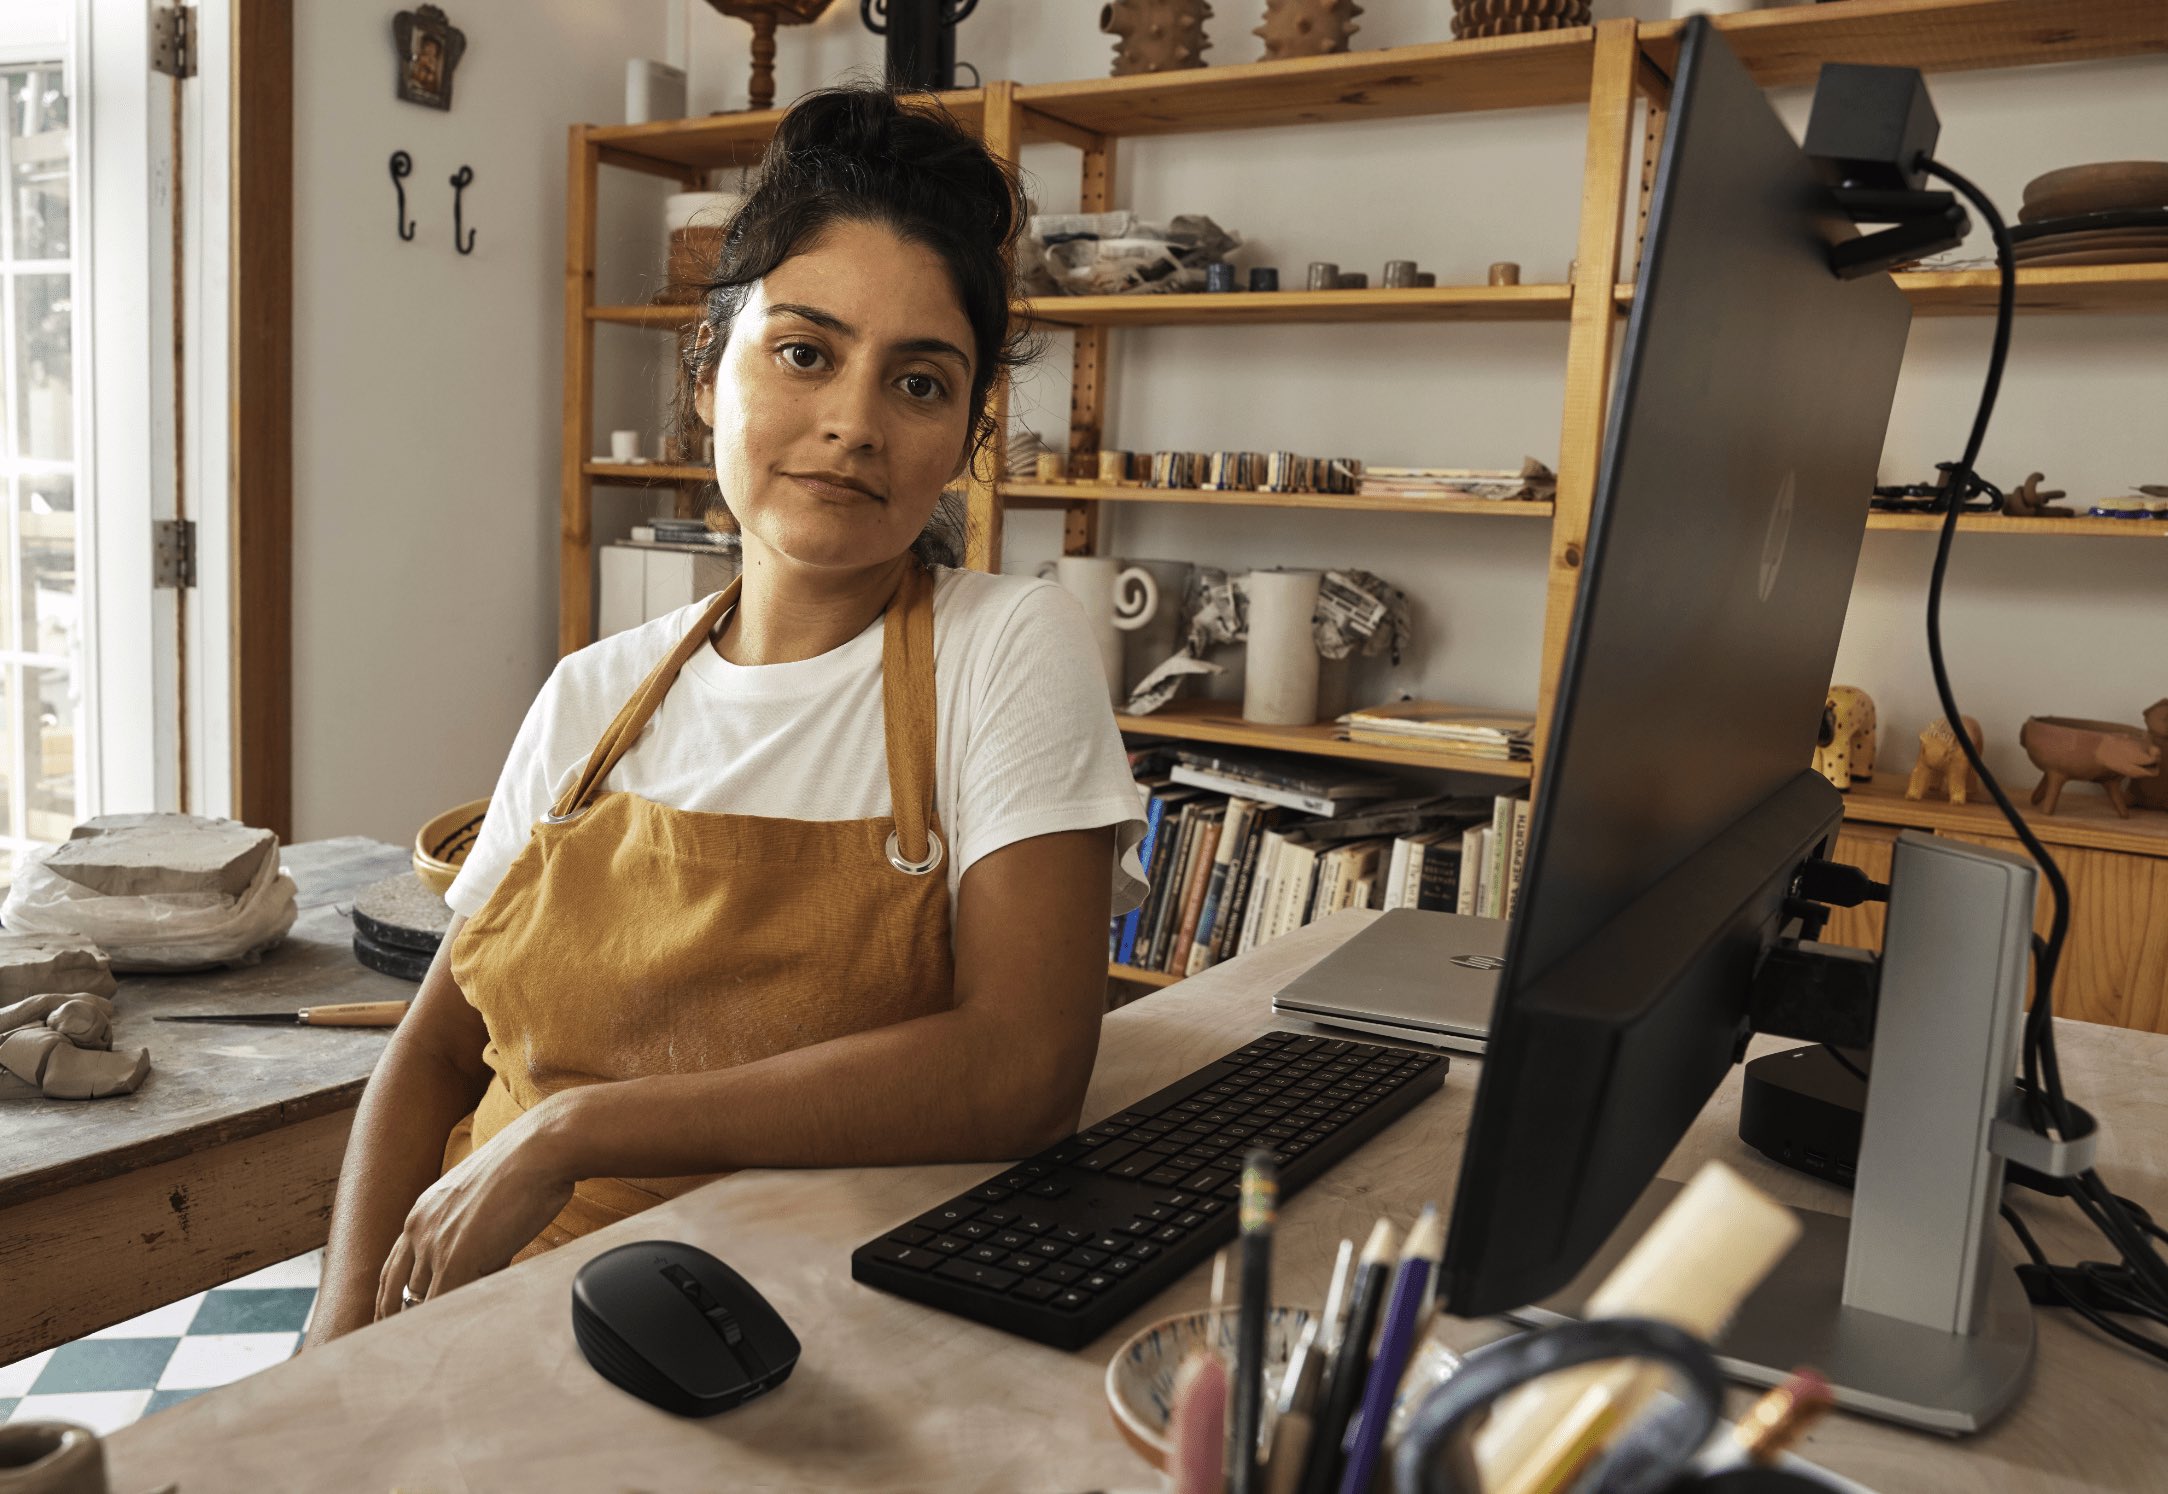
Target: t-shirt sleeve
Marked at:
523, 795
1044, 754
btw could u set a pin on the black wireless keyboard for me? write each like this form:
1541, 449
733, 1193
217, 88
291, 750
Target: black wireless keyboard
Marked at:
1064, 1245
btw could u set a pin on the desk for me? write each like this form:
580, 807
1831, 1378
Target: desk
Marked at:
485, 1389
226, 1159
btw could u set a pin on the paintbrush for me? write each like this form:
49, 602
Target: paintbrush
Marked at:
1350, 1361
1403, 1325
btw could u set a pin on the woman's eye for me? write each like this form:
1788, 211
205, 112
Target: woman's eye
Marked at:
928, 387
791, 350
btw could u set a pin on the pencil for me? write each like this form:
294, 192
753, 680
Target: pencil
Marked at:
1396, 1341
1298, 1402
1260, 1205
1345, 1370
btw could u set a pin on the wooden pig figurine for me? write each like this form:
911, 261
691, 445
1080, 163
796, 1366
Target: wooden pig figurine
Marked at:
1844, 752
1942, 759
2152, 793
2068, 750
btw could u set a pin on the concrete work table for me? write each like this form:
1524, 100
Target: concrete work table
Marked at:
227, 1157
485, 1389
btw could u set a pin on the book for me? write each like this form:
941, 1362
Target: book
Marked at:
1232, 834
1438, 885
1308, 803
1521, 810
1167, 890
1497, 849
1396, 870
1297, 878
1471, 870
1209, 825
1155, 813
1243, 874
1443, 726
1283, 770
1261, 890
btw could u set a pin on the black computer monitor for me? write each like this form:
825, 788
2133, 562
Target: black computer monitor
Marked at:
1675, 801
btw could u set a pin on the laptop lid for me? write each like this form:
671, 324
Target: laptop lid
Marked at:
1411, 968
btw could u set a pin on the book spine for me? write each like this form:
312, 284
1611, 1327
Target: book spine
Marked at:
1261, 889
1208, 838
1169, 892
1232, 833
1471, 870
1155, 814
1396, 875
1497, 851
1297, 865
1521, 811
1315, 804
1411, 881
1241, 875
1439, 887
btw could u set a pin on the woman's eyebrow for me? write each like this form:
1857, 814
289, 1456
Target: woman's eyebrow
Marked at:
934, 346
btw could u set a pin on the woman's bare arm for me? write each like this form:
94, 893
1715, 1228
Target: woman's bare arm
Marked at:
431, 1074
999, 1076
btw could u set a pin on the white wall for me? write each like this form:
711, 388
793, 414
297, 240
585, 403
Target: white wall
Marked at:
2038, 625
427, 386
426, 393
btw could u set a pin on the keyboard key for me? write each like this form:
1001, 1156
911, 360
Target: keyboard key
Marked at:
1009, 1239
1061, 1275
992, 1278
1210, 1180
986, 1255
1075, 1234
913, 1256
948, 1244
1209, 1206
1047, 1189
1169, 1234
1072, 1299
942, 1218
1142, 1226
974, 1229
1096, 1282
1081, 1256
1160, 1213
1121, 1265
1031, 1224
1111, 1244
1134, 1167
911, 1234
1174, 1200
1053, 1250
1022, 1265
999, 1218
992, 1193
1063, 1155
1160, 1177
1035, 1291
1190, 1220
1100, 1158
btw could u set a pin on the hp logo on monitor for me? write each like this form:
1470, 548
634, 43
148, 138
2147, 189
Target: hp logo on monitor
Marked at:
1479, 962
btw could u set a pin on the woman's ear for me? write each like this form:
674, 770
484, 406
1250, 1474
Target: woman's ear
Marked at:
704, 384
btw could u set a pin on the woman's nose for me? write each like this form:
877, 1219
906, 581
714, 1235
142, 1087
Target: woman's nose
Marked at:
851, 412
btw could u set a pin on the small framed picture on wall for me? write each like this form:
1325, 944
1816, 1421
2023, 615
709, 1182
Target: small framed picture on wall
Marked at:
429, 48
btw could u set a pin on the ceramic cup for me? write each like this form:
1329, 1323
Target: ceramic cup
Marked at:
1355, 280
1117, 599
624, 446
1264, 278
1219, 276
1113, 466
52, 1457
1049, 466
1400, 273
1324, 275
1505, 272
1279, 681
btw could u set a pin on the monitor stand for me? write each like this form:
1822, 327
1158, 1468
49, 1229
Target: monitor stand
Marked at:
1908, 1308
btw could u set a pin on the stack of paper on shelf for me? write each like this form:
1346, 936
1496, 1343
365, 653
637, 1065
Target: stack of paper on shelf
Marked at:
1533, 482
1441, 726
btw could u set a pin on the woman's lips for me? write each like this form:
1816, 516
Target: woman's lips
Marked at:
834, 491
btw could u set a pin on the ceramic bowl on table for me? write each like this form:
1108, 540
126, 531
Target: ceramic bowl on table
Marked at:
441, 846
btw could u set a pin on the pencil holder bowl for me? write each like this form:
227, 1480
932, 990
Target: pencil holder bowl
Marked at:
1140, 1376
441, 846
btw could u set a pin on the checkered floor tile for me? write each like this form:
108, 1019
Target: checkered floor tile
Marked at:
131, 1369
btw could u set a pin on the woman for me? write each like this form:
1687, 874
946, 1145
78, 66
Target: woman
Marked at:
816, 872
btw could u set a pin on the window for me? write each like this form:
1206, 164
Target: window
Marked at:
40, 636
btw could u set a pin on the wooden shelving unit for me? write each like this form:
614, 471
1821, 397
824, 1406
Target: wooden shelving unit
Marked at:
2083, 817
1606, 69
2139, 529
1220, 721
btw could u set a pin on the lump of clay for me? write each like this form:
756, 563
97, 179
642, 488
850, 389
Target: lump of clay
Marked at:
131, 855
81, 1016
30, 966
57, 1045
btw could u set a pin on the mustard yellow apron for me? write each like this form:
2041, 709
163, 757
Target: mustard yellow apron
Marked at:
629, 938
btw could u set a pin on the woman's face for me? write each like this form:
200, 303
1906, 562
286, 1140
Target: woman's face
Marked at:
840, 404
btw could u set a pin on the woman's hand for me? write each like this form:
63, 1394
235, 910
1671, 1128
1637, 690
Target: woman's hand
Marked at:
475, 1218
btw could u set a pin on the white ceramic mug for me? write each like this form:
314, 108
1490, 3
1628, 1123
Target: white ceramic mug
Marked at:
1116, 600
1279, 680
624, 446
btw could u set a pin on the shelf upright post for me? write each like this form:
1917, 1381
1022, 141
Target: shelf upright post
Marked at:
1003, 132
576, 529
1088, 369
1656, 95
1612, 80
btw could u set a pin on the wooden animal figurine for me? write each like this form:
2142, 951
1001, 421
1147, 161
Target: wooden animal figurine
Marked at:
1844, 751
1942, 762
1307, 28
2152, 793
1157, 36
2026, 501
2067, 750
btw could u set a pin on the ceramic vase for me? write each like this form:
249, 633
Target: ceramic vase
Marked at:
1279, 682
1116, 600
1150, 646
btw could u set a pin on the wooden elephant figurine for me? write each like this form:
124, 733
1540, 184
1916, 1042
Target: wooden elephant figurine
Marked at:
1844, 751
1943, 762
2068, 750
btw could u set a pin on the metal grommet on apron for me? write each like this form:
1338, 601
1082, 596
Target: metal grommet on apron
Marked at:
629, 938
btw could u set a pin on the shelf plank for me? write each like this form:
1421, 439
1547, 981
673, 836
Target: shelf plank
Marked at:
1506, 72
1140, 975
2005, 524
645, 474
1057, 493
1788, 46
2085, 819
736, 138
1442, 303
645, 316
2040, 288
1221, 721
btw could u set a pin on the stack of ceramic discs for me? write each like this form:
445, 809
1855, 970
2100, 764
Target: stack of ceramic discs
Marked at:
1473, 18
2108, 213
398, 924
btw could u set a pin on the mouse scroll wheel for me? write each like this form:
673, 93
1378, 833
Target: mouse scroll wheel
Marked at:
727, 1325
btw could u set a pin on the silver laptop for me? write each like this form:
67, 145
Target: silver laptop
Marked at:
1419, 976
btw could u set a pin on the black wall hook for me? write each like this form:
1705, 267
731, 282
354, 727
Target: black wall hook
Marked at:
461, 180
401, 165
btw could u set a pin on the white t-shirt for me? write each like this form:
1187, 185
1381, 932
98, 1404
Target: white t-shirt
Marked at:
1025, 739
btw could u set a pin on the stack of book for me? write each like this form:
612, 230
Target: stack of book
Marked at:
693, 532
1441, 726
1235, 864
1533, 482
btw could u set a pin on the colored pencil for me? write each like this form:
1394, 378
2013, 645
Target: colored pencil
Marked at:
1396, 1341
1345, 1370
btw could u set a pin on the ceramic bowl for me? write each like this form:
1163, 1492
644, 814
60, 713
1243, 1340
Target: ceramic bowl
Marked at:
1140, 1376
441, 846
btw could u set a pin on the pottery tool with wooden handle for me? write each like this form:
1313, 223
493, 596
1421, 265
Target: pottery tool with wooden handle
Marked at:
1693, 1268
349, 1014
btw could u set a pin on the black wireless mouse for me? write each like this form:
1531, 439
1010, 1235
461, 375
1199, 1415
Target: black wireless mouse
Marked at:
678, 1328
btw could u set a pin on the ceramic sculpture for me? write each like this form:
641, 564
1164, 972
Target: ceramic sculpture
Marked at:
1157, 36
2152, 793
1844, 752
1942, 762
1307, 28
2026, 501
1279, 683
1117, 599
2068, 750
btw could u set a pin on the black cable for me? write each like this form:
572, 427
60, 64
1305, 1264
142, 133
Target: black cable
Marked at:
2146, 1295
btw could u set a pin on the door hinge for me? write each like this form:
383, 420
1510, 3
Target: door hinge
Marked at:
173, 41
173, 553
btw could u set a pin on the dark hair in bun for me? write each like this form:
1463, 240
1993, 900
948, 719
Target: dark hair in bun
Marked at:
866, 154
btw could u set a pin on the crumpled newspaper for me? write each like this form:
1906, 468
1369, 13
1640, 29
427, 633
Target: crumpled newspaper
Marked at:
1357, 613
1113, 254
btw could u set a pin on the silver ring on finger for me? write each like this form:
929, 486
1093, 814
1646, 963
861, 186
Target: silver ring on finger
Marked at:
407, 1298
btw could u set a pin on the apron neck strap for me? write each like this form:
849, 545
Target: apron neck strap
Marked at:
908, 706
